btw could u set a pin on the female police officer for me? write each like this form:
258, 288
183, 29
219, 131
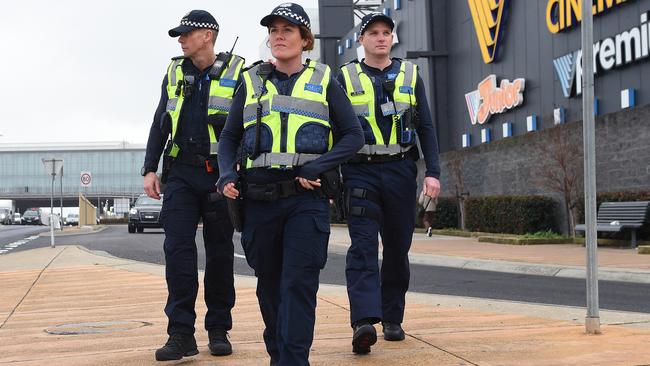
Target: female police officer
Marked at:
297, 124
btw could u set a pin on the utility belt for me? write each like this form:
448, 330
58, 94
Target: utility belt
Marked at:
196, 160
368, 156
331, 187
271, 192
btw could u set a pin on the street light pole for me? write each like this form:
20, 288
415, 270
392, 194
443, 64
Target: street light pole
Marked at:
592, 321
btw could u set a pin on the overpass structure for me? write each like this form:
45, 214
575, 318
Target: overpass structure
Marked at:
113, 167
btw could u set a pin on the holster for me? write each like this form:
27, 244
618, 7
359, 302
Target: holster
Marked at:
331, 184
236, 209
332, 188
167, 163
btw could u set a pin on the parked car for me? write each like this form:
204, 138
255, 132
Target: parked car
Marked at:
32, 217
6, 218
145, 214
18, 220
71, 219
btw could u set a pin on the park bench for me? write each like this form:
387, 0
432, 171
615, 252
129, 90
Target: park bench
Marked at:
619, 216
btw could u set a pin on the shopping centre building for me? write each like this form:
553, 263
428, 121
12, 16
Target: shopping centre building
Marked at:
504, 85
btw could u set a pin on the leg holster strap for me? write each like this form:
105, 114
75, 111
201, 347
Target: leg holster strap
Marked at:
365, 194
364, 212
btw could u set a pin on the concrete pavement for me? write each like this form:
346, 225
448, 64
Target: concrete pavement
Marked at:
69, 306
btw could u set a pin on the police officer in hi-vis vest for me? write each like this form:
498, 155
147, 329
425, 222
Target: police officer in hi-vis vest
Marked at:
295, 126
197, 92
389, 99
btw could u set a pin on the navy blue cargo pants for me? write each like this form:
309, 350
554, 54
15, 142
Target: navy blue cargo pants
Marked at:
285, 242
185, 201
374, 293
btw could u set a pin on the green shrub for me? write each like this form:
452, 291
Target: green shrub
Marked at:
510, 214
623, 196
445, 216
543, 235
114, 221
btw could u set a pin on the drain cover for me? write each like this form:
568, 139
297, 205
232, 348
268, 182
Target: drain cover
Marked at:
95, 327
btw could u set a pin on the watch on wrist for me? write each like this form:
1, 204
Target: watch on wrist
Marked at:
146, 170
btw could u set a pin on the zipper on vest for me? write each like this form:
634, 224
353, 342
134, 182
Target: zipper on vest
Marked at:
284, 122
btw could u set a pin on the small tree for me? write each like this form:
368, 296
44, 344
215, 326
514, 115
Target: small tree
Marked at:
561, 169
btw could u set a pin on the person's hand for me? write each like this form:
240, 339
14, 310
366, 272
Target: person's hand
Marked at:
308, 184
431, 187
230, 191
152, 185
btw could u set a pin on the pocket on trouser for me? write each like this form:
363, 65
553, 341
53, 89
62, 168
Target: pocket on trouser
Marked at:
248, 244
307, 241
167, 205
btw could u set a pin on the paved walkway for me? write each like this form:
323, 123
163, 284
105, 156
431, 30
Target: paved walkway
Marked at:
69, 306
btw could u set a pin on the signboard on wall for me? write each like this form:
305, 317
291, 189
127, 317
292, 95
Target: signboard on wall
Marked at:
488, 17
490, 99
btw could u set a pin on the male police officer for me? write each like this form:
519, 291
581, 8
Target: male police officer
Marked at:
196, 96
390, 101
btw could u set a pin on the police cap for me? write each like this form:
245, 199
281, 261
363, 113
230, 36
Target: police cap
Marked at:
195, 19
374, 17
291, 12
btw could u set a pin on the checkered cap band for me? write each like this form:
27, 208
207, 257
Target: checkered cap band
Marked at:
369, 18
199, 25
288, 13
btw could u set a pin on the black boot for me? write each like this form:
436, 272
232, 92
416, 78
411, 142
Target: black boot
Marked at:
364, 336
393, 331
219, 344
177, 347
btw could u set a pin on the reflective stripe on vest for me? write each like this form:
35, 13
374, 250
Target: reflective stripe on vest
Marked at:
307, 104
361, 93
219, 99
285, 159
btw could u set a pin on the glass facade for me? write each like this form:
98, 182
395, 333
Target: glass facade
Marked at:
115, 170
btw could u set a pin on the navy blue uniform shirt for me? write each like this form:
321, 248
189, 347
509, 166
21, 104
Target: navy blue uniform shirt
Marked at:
192, 135
347, 134
425, 130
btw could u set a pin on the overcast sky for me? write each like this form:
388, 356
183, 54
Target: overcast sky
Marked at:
91, 70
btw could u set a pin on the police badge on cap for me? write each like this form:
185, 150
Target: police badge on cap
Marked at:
196, 19
293, 13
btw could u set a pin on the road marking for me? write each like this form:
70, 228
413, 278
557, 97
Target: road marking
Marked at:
240, 256
16, 244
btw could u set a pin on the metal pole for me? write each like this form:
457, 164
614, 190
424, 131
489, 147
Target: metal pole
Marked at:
592, 321
52, 208
61, 202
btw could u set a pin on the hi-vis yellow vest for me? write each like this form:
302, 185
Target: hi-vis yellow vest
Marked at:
360, 90
220, 98
307, 132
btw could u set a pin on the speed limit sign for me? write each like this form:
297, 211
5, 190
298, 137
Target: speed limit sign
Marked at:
86, 179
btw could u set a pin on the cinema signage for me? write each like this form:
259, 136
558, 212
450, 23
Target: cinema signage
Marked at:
625, 48
490, 99
564, 14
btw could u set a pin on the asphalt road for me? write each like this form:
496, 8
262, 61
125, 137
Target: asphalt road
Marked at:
147, 247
